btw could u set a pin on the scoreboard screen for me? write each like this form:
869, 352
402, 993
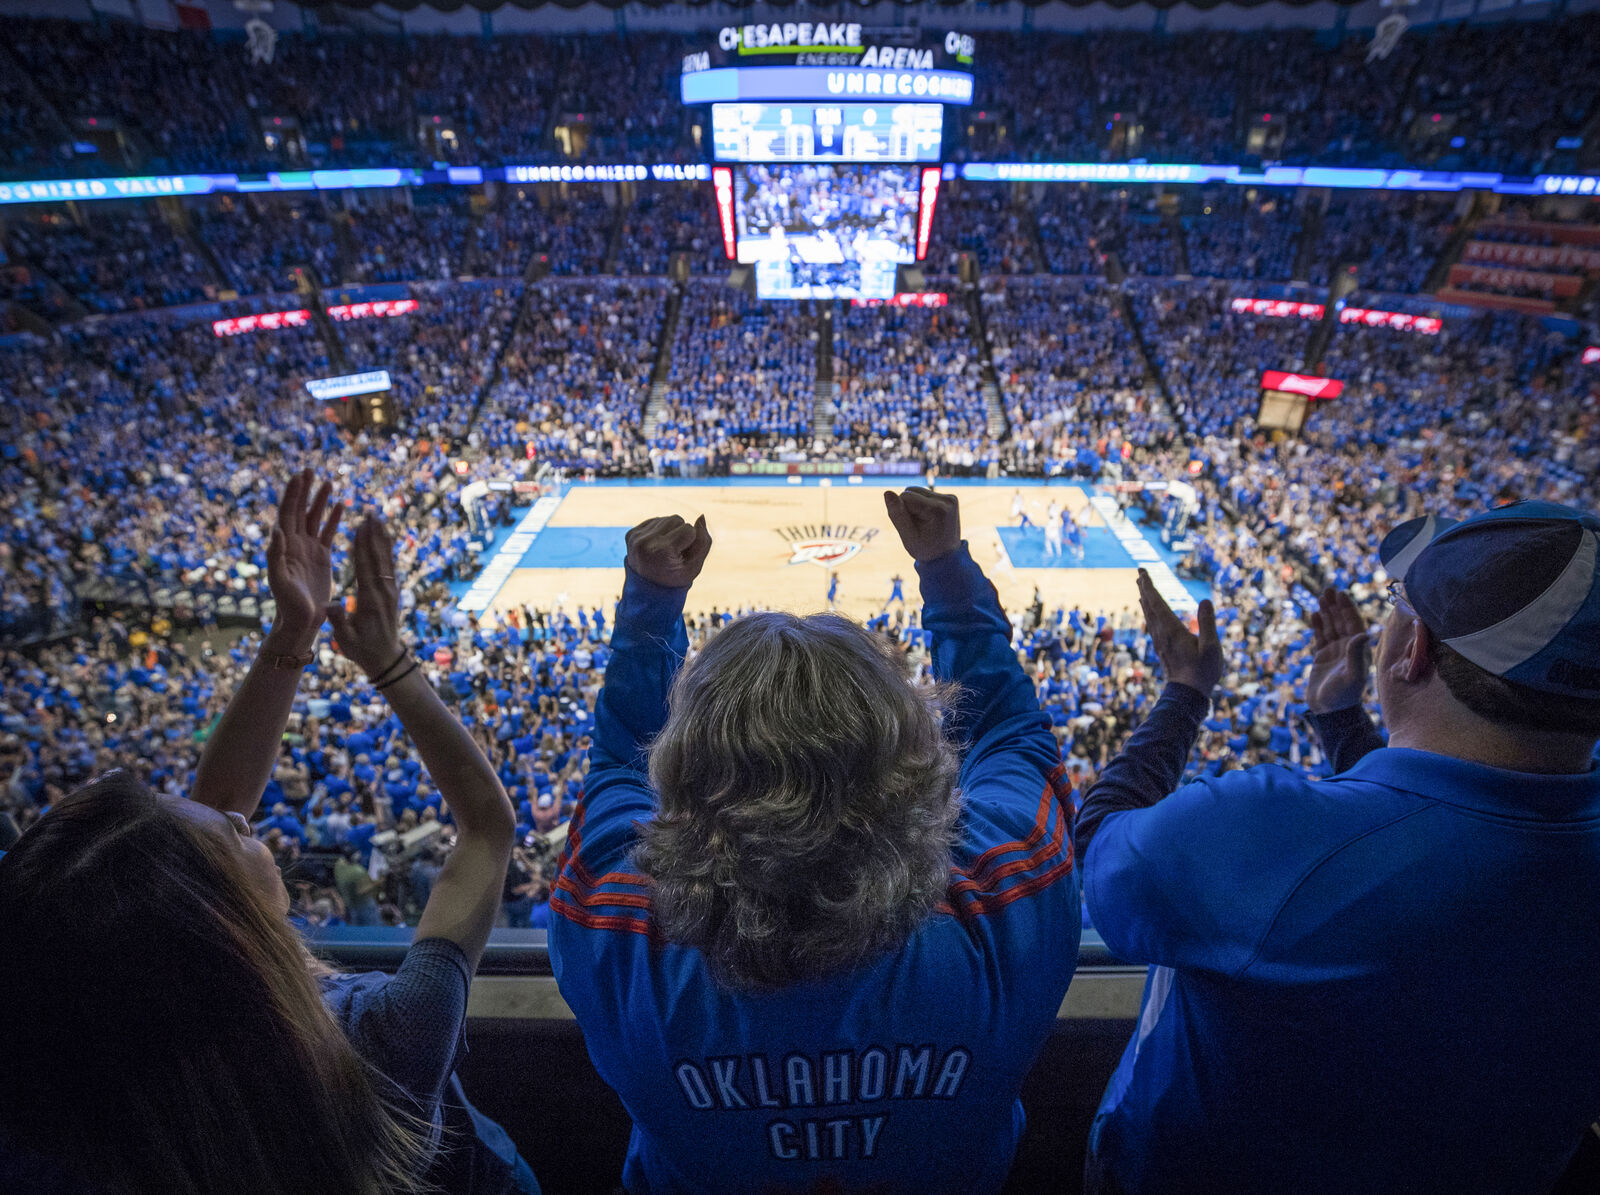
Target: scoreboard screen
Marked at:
824, 231
799, 132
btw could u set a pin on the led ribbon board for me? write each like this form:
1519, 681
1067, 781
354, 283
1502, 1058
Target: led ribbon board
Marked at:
824, 83
328, 389
155, 186
271, 321
1402, 321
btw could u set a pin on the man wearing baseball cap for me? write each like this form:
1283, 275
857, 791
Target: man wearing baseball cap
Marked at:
1388, 981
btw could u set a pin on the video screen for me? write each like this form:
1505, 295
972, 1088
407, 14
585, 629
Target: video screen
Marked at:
815, 232
826, 132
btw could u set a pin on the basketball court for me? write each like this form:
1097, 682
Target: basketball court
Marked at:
776, 544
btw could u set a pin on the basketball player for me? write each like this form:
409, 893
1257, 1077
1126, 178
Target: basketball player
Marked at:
1074, 534
896, 594
833, 590
1018, 510
1052, 534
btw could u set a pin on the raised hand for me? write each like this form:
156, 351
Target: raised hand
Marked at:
1342, 654
1187, 658
668, 551
300, 561
370, 635
929, 524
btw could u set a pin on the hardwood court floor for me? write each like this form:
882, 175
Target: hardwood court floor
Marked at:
767, 548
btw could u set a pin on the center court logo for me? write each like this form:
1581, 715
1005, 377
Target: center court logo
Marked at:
825, 545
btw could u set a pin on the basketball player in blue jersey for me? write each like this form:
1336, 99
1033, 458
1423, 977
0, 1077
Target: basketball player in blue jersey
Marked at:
813, 940
897, 593
1073, 532
833, 590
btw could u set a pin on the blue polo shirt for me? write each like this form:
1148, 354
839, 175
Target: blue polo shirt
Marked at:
1384, 981
901, 1076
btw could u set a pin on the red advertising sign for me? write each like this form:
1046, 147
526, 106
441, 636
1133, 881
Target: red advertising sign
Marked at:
271, 321
1284, 309
930, 197
931, 298
1591, 355
1299, 383
722, 186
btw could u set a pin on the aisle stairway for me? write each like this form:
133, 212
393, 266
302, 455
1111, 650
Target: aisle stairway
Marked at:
999, 426
1305, 250
662, 368
1439, 274
311, 294
1157, 380
497, 367
822, 408
1180, 242
619, 220
182, 223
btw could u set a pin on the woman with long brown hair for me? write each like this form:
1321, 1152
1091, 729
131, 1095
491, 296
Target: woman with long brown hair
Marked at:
172, 1034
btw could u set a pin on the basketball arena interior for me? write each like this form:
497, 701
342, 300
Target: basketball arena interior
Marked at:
1190, 308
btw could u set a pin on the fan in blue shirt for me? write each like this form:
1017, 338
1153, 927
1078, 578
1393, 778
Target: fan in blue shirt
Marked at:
1388, 981
779, 960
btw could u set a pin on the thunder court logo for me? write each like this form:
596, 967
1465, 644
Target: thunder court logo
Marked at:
825, 544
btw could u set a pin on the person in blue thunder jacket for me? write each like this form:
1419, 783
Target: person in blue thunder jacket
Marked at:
813, 939
1388, 981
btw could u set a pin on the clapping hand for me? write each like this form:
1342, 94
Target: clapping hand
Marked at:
300, 561
370, 635
1343, 654
668, 551
1189, 659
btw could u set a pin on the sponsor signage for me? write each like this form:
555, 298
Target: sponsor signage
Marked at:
1537, 257
1279, 176
1559, 286
713, 85
1402, 321
328, 389
271, 321
823, 83
833, 43
930, 197
722, 188
1591, 355
929, 298
143, 187
1298, 383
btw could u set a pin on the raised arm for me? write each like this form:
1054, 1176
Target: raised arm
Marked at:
648, 644
996, 719
241, 752
1150, 764
466, 897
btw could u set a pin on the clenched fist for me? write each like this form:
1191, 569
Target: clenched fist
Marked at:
669, 551
929, 524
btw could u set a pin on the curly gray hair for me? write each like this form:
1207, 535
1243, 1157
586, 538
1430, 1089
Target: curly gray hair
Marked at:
807, 801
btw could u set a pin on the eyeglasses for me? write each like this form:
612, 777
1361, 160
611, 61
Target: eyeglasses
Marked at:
1395, 592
